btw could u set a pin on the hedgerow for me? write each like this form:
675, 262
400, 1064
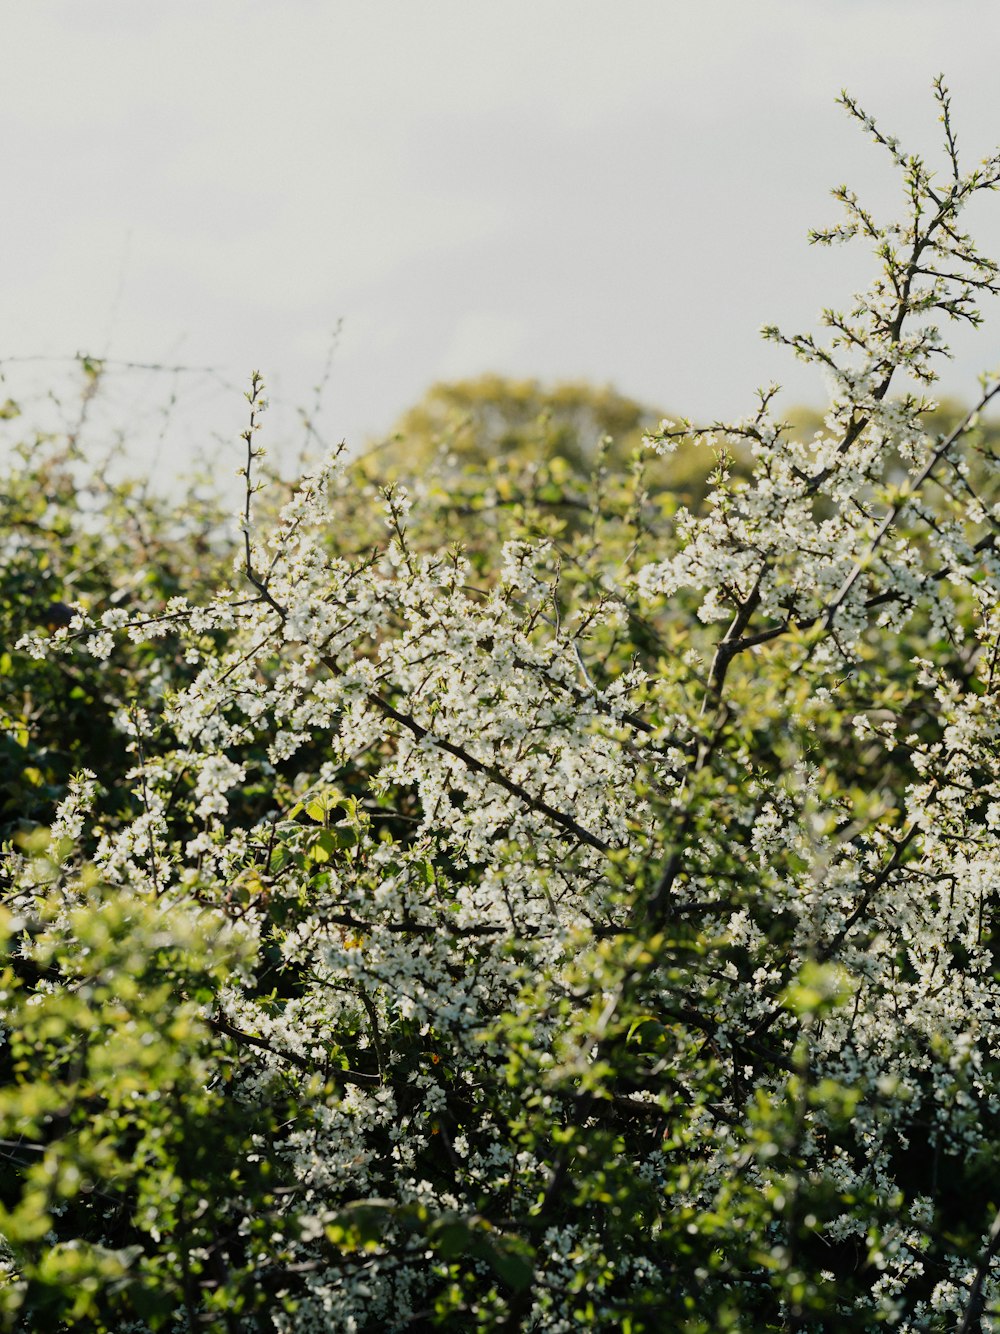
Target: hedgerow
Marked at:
500, 902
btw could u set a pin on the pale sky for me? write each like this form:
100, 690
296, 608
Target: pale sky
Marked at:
617, 191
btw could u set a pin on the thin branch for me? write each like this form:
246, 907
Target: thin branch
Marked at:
893, 514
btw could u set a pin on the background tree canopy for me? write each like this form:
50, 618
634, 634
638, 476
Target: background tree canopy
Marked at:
504, 424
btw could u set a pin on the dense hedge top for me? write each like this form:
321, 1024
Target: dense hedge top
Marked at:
531, 894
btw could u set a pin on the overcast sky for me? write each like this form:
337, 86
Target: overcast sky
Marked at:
617, 191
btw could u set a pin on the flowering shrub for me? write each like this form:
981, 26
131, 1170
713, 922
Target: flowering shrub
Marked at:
591, 929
